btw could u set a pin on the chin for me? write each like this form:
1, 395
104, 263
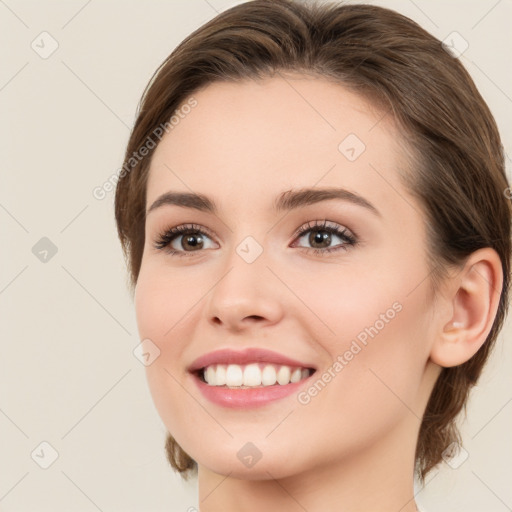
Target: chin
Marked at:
274, 467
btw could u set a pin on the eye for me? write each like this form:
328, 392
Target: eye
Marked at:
182, 240
320, 235
186, 239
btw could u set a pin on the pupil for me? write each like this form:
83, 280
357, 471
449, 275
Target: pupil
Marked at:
192, 240
318, 238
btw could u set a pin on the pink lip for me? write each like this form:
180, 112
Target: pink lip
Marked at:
246, 398
249, 355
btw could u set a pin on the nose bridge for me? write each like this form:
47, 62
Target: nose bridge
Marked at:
245, 287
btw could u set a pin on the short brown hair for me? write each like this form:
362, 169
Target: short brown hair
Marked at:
458, 171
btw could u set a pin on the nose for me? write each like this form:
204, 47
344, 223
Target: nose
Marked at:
245, 295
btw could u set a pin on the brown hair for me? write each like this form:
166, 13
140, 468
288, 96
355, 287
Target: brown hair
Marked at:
458, 162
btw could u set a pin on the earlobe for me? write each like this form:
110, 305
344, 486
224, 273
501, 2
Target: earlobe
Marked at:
474, 296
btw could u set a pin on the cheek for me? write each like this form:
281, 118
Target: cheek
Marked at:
375, 329
347, 302
375, 381
163, 299
167, 303
160, 311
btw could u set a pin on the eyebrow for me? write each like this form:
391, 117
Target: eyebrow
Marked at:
288, 200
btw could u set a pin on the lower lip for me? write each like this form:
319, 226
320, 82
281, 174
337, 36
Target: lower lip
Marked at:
247, 398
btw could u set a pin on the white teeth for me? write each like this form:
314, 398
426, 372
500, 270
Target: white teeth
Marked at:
268, 376
220, 375
283, 375
234, 375
210, 376
296, 375
253, 375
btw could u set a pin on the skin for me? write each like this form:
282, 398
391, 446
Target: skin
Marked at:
351, 448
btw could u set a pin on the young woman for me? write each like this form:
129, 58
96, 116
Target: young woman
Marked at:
313, 206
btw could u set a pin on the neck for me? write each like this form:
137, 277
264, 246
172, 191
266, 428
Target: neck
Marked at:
378, 479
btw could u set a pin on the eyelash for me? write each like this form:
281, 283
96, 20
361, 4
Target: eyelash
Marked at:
167, 237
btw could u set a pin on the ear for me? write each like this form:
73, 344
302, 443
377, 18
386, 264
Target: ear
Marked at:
473, 296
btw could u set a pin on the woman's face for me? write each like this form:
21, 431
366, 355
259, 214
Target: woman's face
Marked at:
348, 298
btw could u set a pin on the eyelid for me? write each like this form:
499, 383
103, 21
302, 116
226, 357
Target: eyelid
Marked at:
323, 224
169, 235
349, 238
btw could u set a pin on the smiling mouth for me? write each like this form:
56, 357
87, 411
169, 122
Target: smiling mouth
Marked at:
252, 375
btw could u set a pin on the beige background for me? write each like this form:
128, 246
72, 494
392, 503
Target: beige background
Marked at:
68, 376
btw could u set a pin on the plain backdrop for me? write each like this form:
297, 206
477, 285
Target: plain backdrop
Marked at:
73, 396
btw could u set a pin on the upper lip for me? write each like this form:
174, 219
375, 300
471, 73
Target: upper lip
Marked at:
249, 355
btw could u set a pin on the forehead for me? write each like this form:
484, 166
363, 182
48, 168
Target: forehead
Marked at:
248, 141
